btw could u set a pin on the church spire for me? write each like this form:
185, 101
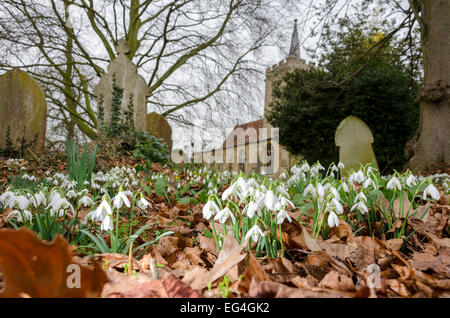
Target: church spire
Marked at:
295, 43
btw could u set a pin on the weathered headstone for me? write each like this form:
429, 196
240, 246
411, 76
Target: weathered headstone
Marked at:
159, 127
354, 139
134, 87
23, 111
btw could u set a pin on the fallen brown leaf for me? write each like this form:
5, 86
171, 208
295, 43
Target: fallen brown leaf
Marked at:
35, 268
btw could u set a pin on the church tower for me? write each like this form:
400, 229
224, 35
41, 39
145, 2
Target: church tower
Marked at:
278, 71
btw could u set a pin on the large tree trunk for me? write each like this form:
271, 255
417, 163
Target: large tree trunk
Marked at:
431, 146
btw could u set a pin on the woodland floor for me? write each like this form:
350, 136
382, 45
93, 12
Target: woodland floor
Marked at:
189, 264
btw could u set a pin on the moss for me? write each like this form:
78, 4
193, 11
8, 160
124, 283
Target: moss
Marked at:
18, 88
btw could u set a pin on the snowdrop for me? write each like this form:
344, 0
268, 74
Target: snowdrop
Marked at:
120, 199
251, 209
107, 224
369, 182
21, 202
254, 233
271, 201
228, 192
333, 220
282, 215
337, 206
360, 197
224, 214
411, 180
432, 191
143, 203
357, 177
361, 207
282, 190
85, 201
103, 210
394, 183
210, 209
18, 215
309, 189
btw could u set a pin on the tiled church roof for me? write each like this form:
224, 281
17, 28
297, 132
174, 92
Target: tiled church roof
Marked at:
241, 134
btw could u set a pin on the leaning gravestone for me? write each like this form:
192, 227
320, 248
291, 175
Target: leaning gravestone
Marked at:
23, 111
133, 85
354, 139
159, 127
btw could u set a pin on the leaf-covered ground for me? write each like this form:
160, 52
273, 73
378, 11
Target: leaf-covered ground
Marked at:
188, 262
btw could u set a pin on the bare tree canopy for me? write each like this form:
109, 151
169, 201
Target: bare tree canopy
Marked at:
197, 56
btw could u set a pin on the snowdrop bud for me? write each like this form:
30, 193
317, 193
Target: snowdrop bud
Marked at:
432, 191
333, 220
107, 224
255, 233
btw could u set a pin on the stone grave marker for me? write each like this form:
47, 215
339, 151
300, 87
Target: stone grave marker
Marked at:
23, 111
134, 87
159, 127
354, 139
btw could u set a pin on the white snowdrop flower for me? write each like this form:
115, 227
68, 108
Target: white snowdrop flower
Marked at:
85, 201
38, 199
120, 199
47, 173
411, 180
210, 209
361, 207
271, 201
359, 177
360, 197
337, 205
90, 216
335, 193
369, 182
282, 215
283, 191
252, 208
59, 204
369, 170
394, 183
319, 166
26, 214
341, 165
254, 233
71, 194
86, 183
6, 197
103, 210
25, 177
333, 167
55, 182
282, 176
107, 224
320, 190
224, 214
309, 189
295, 170
432, 191
21, 202
333, 220
143, 203
227, 193
284, 202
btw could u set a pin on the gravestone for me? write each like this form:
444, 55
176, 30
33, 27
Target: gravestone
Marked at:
134, 87
159, 127
354, 139
23, 111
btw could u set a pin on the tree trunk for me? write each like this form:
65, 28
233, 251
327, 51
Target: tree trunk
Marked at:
431, 145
